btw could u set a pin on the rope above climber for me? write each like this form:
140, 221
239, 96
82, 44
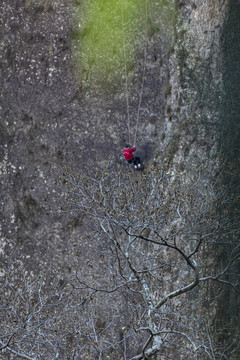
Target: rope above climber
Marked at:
130, 157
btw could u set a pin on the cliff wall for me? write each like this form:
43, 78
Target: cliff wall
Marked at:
50, 118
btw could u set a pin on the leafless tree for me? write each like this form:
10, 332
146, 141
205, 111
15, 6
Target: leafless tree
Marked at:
159, 226
153, 238
31, 315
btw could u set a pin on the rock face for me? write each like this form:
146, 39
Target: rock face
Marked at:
229, 130
49, 118
35, 49
205, 95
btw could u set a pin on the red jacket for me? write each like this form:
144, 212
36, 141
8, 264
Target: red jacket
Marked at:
128, 153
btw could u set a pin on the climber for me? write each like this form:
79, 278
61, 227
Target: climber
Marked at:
128, 154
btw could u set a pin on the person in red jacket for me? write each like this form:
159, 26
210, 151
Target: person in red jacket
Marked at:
128, 154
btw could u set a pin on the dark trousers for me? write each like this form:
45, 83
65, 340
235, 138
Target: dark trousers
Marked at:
135, 161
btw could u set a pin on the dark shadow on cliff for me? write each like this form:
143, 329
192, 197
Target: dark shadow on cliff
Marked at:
230, 143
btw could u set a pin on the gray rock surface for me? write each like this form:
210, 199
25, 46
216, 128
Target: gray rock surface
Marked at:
49, 119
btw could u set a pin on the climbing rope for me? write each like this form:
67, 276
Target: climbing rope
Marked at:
126, 78
143, 76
